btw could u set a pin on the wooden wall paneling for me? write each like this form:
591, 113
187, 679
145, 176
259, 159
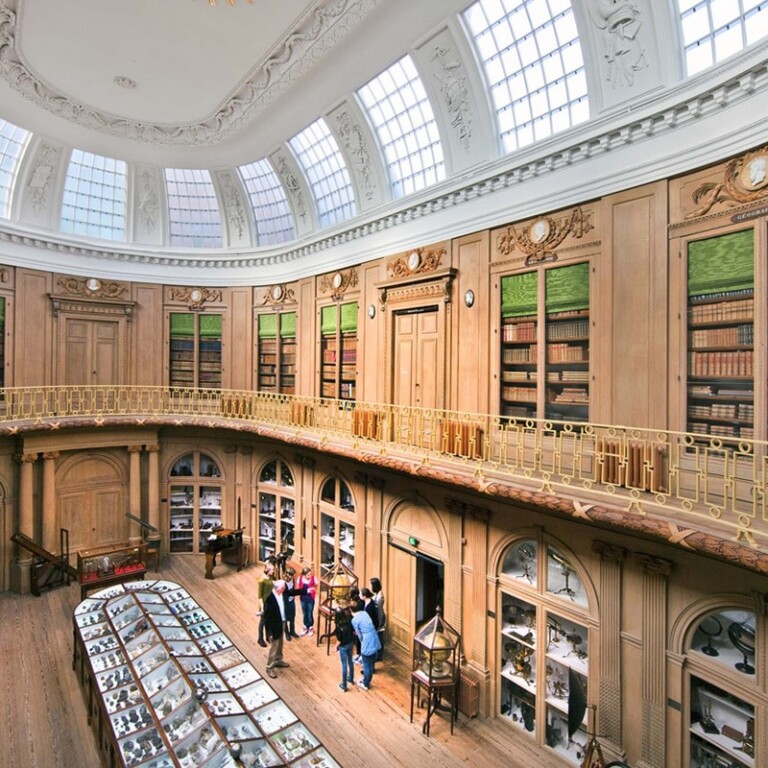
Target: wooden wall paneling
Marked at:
238, 352
307, 373
371, 353
468, 358
33, 360
147, 352
637, 365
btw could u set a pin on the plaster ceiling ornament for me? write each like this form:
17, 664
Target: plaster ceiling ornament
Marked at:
620, 23
453, 87
541, 237
414, 262
745, 180
339, 282
292, 186
195, 298
320, 28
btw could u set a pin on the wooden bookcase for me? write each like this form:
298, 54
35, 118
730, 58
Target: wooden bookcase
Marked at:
720, 336
545, 344
277, 352
338, 351
195, 350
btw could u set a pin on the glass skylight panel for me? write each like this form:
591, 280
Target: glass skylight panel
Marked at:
402, 117
271, 212
13, 140
94, 202
713, 30
324, 166
193, 209
533, 64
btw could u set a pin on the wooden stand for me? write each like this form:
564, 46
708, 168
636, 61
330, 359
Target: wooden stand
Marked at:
435, 690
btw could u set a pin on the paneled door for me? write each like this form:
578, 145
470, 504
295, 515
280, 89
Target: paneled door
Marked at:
91, 352
419, 379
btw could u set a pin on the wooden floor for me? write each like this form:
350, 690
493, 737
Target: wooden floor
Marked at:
43, 717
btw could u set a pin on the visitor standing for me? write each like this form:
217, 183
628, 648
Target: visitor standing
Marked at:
378, 599
369, 643
344, 634
308, 582
264, 589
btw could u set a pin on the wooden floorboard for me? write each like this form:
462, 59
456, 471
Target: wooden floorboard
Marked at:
43, 719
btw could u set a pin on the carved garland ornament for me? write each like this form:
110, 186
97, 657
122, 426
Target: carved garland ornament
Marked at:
194, 297
92, 288
745, 181
539, 240
415, 262
278, 294
338, 283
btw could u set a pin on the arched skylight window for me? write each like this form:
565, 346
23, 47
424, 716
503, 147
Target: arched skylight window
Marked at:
324, 166
94, 202
532, 59
193, 209
274, 222
402, 116
713, 30
13, 140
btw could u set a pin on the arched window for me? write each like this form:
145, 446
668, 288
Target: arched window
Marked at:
544, 646
723, 697
337, 525
277, 510
194, 502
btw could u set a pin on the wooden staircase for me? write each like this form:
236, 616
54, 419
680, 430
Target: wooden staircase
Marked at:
48, 570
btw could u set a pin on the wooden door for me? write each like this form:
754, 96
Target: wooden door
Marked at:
91, 355
400, 604
418, 370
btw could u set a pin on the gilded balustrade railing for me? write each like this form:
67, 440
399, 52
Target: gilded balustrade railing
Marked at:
700, 481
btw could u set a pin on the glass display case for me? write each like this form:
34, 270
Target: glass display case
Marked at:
277, 511
181, 695
111, 564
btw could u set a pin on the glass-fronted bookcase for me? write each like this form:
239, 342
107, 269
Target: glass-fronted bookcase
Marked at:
276, 354
277, 510
721, 335
545, 343
195, 342
338, 351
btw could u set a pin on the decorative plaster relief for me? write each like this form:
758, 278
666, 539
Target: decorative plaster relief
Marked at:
277, 295
148, 205
353, 139
328, 22
452, 81
415, 262
338, 283
92, 287
292, 186
233, 203
619, 22
43, 172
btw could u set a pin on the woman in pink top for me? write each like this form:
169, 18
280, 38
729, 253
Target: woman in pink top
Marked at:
308, 581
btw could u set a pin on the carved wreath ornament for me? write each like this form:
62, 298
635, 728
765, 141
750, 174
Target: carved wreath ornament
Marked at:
541, 237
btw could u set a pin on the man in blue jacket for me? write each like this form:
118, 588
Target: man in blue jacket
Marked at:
369, 642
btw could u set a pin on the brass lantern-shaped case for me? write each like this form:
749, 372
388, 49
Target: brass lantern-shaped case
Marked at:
335, 585
436, 649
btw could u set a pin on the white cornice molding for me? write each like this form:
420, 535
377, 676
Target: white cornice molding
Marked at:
319, 31
610, 155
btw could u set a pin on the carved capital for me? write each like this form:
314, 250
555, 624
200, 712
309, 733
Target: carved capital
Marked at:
51, 455
609, 551
654, 565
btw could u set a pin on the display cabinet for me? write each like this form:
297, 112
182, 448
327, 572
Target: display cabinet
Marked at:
518, 662
721, 313
277, 511
111, 564
338, 351
722, 728
337, 542
166, 688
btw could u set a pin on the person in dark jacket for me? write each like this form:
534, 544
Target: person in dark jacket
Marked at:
274, 624
344, 635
